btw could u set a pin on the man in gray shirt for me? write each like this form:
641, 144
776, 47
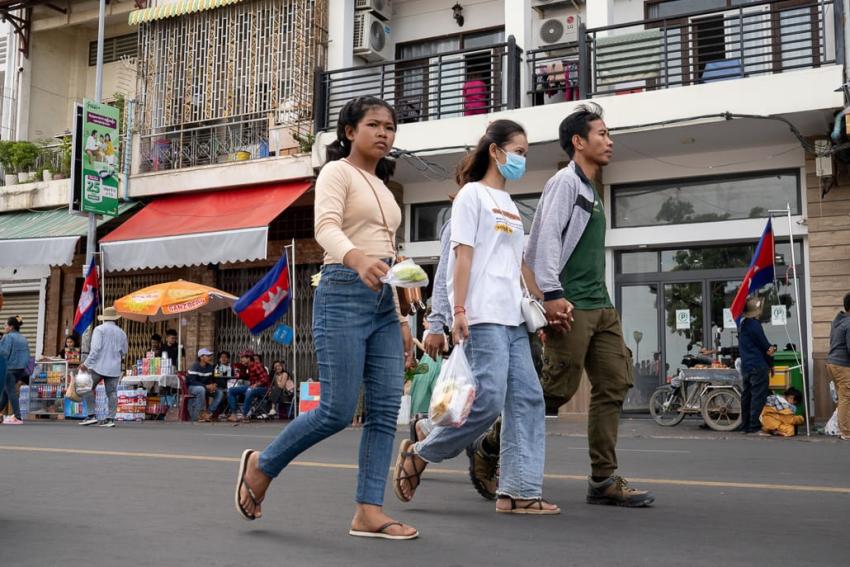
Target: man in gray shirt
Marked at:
108, 349
838, 365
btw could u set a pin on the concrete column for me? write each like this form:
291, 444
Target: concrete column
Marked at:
518, 20
24, 72
600, 13
340, 34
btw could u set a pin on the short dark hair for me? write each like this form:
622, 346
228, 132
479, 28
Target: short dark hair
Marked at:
847, 302
577, 123
156, 337
225, 352
792, 391
170, 333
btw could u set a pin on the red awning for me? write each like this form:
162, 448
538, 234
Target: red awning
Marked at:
200, 228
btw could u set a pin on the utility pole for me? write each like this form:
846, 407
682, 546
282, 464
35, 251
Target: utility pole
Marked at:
91, 237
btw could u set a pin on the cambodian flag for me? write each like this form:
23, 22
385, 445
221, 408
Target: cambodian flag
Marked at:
89, 300
267, 301
760, 273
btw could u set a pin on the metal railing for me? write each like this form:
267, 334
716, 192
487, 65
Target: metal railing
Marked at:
713, 45
455, 83
556, 74
205, 145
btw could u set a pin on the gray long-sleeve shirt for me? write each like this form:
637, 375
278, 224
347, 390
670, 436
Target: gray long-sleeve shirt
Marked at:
441, 309
839, 340
108, 348
559, 222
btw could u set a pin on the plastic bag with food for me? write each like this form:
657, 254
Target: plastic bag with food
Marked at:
454, 391
406, 274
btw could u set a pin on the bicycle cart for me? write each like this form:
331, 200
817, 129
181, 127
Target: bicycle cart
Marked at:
715, 393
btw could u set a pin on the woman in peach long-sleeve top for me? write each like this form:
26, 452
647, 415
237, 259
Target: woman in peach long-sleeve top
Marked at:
360, 336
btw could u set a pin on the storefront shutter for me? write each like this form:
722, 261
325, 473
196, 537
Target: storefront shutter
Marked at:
26, 305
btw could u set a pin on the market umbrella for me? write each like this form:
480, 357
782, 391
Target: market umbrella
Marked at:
171, 300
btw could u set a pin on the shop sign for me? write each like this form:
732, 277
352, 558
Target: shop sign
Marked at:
728, 320
683, 319
777, 315
99, 176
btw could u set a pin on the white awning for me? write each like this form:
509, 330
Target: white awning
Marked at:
241, 245
56, 251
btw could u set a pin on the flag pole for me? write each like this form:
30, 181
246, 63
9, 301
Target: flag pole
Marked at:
294, 308
800, 362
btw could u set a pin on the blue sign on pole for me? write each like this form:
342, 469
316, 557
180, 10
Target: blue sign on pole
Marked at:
283, 334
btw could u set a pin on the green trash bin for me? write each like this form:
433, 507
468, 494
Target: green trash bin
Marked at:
787, 373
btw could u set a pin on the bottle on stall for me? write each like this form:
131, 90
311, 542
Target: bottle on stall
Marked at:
24, 401
166, 364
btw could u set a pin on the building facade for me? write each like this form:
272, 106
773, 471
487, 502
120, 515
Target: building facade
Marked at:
717, 109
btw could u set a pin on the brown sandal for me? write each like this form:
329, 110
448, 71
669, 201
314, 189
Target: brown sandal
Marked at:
400, 475
530, 507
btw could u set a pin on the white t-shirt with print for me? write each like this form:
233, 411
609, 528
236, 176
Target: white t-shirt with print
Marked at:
494, 293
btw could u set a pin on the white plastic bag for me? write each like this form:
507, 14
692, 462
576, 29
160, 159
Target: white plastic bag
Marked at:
832, 425
406, 274
454, 391
82, 383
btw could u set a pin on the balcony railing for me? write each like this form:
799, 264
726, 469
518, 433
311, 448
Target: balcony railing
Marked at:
756, 38
714, 45
455, 83
205, 145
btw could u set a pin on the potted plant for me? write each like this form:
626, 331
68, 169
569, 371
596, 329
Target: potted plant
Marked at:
24, 156
65, 165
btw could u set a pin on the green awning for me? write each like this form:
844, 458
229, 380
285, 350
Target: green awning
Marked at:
43, 238
178, 8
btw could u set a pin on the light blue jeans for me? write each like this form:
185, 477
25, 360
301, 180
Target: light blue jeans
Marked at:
358, 342
501, 361
196, 403
250, 394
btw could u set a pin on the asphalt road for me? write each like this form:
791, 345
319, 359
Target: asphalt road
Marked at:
161, 494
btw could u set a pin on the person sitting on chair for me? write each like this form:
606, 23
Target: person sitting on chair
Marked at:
200, 383
258, 379
283, 389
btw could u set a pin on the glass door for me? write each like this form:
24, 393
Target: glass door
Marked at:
683, 323
640, 332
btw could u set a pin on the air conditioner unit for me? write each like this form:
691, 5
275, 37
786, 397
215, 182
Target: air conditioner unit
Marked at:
560, 28
381, 8
372, 39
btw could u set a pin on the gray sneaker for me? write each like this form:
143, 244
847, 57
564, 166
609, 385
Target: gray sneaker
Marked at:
89, 421
108, 422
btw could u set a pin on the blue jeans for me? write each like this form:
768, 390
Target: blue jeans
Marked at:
249, 392
196, 403
358, 341
10, 391
753, 398
501, 361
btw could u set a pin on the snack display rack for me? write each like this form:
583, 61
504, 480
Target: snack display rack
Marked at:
47, 389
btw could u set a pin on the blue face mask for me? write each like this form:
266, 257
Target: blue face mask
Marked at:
513, 168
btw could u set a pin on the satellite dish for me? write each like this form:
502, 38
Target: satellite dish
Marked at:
377, 37
551, 31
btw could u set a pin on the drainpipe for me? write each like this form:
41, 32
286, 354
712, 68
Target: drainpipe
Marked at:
129, 113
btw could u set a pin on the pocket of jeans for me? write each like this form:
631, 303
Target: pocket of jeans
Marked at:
340, 276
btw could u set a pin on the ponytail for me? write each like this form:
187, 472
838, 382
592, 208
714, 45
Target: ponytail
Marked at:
475, 164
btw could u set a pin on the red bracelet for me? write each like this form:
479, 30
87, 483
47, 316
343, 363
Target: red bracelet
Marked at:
460, 309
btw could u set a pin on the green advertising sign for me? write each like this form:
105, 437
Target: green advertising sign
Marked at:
100, 159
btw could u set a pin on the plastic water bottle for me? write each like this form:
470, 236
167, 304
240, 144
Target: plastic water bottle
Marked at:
24, 400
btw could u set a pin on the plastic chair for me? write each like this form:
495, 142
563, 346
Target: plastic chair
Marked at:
185, 396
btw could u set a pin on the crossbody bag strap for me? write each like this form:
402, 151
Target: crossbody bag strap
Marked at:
380, 207
498, 208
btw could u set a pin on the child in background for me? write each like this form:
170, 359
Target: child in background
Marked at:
779, 416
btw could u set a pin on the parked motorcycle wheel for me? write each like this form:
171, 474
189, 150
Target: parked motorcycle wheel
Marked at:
721, 409
665, 406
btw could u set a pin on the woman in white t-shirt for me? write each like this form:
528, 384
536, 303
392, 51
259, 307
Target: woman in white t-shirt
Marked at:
485, 293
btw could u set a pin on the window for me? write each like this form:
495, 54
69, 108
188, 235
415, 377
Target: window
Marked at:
686, 201
671, 8
702, 258
428, 218
114, 48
